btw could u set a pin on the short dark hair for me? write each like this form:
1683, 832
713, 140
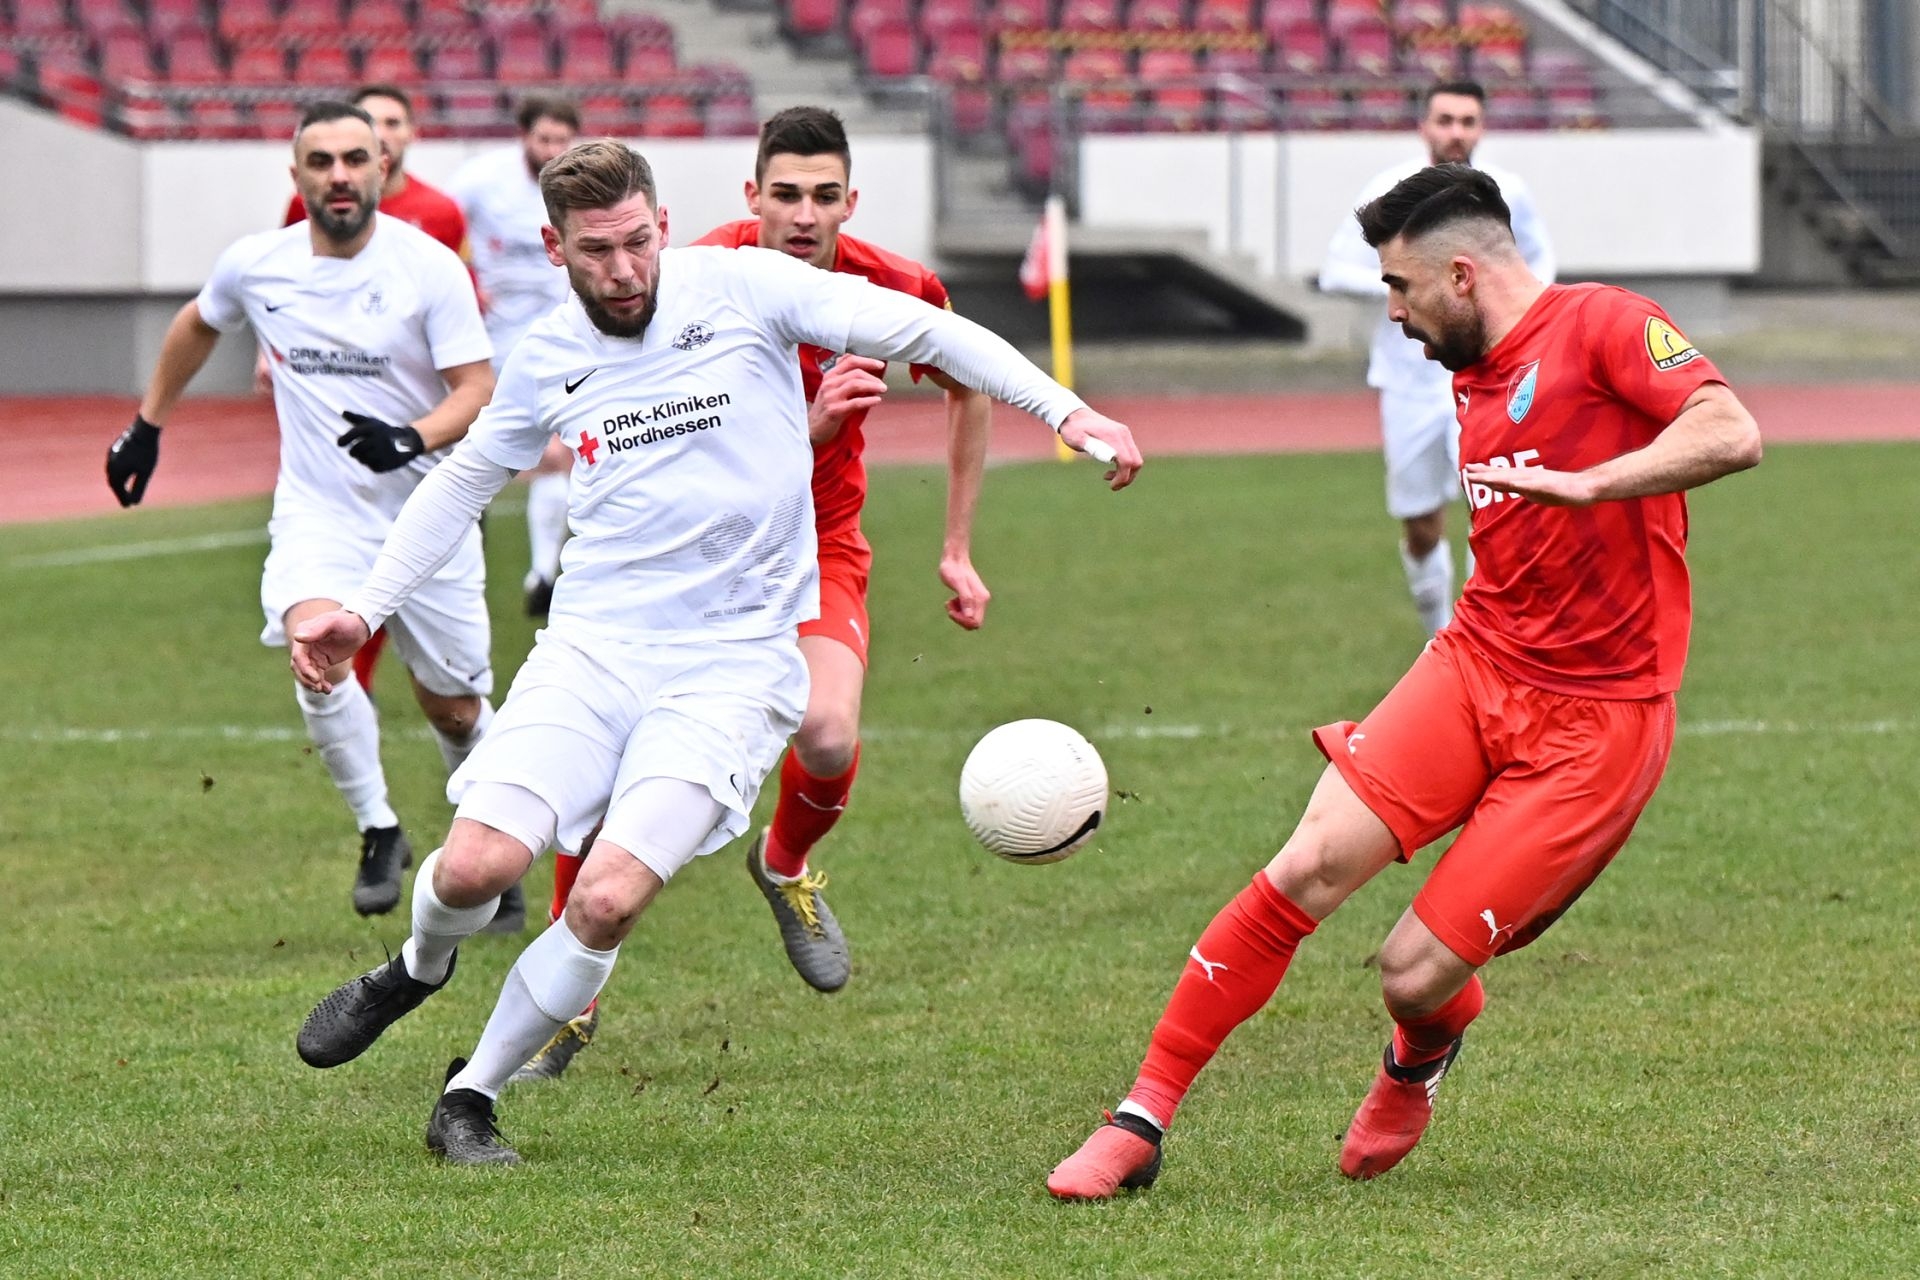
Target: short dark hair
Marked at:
393, 91
1437, 196
802, 131
326, 111
594, 175
1464, 88
537, 107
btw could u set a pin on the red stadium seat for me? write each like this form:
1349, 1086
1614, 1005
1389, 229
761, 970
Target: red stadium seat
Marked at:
1157, 15
260, 63
192, 59
1383, 109
1367, 49
247, 20
126, 55
441, 15
1280, 16
218, 117
41, 18
811, 19
1315, 109
1513, 107
275, 117
376, 20
1241, 60
1301, 50
1020, 15
1023, 64
310, 19
586, 53
1344, 15
1223, 15
672, 115
323, 65
650, 60
389, 62
1108, 106
869, 16
521, 54
1435, 54
1410, 17
892, 50
1090, 15
645, 46
164, 17
1181, 105
99, 19
938, 17
458, 60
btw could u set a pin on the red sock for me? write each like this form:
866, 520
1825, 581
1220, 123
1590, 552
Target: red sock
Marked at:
1247, 949
1425, 1039
566, 869
367, 657
807, 809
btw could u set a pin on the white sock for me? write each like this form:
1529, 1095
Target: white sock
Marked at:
1131, 1108
456, 750
552, 982
437, 927
547, 522
1430, 579
346, 733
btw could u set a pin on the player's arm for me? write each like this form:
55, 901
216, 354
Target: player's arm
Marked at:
1713, 436
132, 457
1351, 266
379, 445
1530, 233
425, 536
969, 424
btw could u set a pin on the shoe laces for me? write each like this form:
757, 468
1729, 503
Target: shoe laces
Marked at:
802, 896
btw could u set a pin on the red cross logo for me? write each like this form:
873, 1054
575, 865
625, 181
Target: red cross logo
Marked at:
588, 447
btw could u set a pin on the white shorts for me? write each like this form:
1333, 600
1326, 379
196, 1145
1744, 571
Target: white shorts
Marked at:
586, 721
442, 633
1423, 451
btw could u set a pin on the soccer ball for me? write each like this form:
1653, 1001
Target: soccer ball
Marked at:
1033, 791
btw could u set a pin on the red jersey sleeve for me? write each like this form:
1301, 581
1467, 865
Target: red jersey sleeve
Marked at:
1642, 357
296, 211
732, 235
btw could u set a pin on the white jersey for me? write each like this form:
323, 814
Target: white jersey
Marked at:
691, 502
501, 200
1397, 361
368, 333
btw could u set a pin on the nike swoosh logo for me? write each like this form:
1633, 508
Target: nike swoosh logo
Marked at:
276, 306
571, 386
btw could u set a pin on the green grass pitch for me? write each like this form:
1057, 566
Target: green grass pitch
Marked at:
1708, 1068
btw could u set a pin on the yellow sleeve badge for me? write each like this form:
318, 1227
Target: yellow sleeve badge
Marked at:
1666, 346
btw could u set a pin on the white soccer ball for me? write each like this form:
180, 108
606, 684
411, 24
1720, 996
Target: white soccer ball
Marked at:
1033, 791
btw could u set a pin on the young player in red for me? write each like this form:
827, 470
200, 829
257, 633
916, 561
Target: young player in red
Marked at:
1538, 722
407, 198
800, 195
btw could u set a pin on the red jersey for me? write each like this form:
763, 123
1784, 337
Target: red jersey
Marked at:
839, 475
426, 207
1589, 601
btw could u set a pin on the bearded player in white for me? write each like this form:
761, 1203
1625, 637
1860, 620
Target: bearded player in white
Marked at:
499, 191
1417, 418
670, 677
379, 362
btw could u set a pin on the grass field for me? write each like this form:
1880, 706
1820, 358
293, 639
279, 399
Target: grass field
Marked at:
1708, 1068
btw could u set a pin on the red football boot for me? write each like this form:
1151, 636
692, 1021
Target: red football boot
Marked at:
1395, 1113
1120, 1155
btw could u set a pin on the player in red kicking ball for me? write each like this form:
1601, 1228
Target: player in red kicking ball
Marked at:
800, 195
1538, 722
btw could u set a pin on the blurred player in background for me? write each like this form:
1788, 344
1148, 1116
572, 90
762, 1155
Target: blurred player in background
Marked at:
409, 199
499, 191
1541, 719
800, 195
379, 362
1417, 421
670, 677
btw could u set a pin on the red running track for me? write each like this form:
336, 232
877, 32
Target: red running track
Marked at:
53, 449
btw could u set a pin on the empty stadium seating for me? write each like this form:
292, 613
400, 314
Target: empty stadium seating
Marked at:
241, 68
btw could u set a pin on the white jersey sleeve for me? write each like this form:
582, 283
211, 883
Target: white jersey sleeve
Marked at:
512, 431
1352, 266
427, 532
1529, 230
222, 299
456, 334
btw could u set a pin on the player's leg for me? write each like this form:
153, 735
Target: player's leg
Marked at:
1576, 774
660, 824
367, 658
553, 1059
546, 525
816, 778
1394, 782
1421, 480
345, 734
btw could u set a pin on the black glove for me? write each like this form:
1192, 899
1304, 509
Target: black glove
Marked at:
131, 460
380, 446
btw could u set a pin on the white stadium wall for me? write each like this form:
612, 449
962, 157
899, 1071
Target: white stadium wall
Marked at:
1619, 204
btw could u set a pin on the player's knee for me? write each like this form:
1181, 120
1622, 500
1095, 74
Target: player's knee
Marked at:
1413, 984
600, 915
826, 743
1423, 535
477, 865
454, 717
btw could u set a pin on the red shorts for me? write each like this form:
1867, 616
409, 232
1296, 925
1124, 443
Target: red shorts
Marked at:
845, 559
1548, 787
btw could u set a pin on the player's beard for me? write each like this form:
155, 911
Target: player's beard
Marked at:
606, 321
1460, 342
342, 227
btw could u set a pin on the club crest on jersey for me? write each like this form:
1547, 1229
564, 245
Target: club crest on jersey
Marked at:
697, 334
374, 302
1520, 391
1665, 347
